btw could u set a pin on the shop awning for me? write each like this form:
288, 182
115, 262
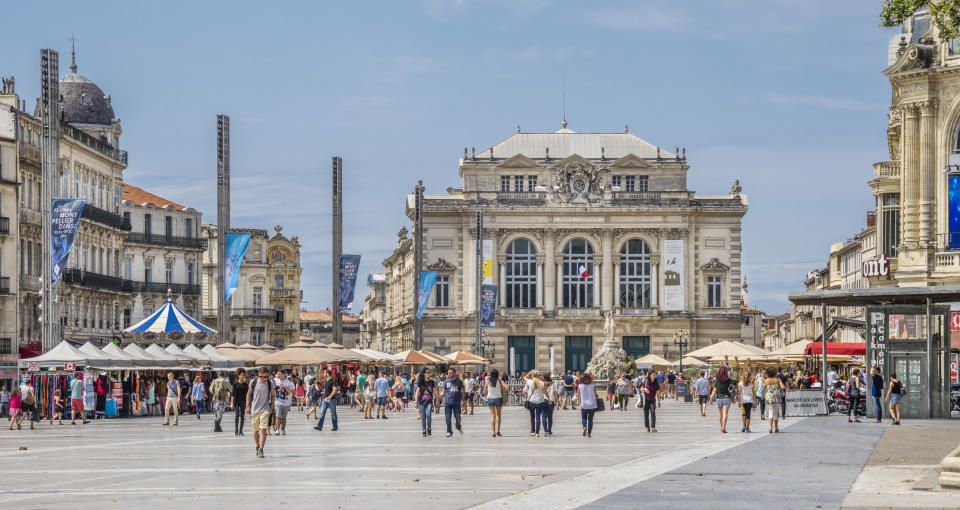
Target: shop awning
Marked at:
839, 348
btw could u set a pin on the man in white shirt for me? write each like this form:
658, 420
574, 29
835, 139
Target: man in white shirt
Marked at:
283, 388
469, 384
832, 377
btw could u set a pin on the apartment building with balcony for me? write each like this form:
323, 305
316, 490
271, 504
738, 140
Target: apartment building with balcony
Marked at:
9, 170
90, 167
265, 307
162, 252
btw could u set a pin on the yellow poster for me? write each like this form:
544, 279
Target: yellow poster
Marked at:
487, 261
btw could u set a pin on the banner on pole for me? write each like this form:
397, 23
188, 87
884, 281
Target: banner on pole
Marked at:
349, 265
488, 306
235, 250
65, 216
427, 280
487, 253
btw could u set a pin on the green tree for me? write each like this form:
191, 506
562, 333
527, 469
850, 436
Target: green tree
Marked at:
945, 14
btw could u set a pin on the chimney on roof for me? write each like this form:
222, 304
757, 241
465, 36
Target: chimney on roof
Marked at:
871, 219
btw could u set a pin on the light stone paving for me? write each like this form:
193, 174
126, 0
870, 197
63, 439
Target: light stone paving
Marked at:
366, 464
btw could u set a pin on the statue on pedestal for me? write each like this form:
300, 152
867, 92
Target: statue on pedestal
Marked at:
610, 361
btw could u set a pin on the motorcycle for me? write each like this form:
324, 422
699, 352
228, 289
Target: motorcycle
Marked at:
838, 402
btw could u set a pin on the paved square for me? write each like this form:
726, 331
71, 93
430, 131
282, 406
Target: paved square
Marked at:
372, 463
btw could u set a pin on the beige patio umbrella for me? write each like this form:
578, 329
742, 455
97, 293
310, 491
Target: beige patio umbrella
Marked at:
414, 357
794, 349
654, 360
299, 356
726, 348
466, 358
247, 352
689, 361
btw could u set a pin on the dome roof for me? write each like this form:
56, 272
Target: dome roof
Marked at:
83, 101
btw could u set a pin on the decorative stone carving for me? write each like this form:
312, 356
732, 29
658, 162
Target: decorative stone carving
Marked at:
442, 266
402, 234
578, 182
714, 264
736, 189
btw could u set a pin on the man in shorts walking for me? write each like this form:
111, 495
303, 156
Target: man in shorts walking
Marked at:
173, 400
469, 385
672, 385
260, 399
284, 391
382, 386
569, 388
76, 400
702, 386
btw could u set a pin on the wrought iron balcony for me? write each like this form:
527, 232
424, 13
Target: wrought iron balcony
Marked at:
284, 294
107, 218
100, 146
177, 289
165, 240
92, 280
243, 313
4, 225
4, 285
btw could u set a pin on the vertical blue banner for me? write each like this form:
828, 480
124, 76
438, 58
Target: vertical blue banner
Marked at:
427, 280
953, 203
235, 250
65, 216
349, 265
488, 306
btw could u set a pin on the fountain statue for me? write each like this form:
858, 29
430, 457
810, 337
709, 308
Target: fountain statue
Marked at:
610, 360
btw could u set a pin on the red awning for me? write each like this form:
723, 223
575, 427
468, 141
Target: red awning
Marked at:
838, 348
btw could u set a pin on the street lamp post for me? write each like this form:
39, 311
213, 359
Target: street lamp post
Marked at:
680, 339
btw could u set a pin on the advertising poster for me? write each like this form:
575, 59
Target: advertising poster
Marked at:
349, 265
953, 206
427, 281
487, 247
235, 250
488, 306
65, 216
673, 295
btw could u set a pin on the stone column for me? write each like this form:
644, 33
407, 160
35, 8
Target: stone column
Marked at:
927, 173
540, 259
559, 290
606, 274
503, 283
910, 175
616, 283
597, 282
654, 281
549, 272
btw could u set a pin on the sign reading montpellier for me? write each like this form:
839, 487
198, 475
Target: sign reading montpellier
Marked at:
876, 267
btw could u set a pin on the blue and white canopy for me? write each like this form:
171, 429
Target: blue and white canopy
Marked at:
169, 319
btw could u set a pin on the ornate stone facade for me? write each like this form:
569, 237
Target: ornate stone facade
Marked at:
580, 225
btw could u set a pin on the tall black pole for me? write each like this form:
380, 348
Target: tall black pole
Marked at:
223, 225
50, 163
479, 278
417, 262
337, 244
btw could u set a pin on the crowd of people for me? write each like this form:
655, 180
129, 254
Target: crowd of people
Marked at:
267, 396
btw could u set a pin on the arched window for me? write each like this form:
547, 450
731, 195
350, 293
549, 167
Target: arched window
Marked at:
578, 277
521, 274
635, 278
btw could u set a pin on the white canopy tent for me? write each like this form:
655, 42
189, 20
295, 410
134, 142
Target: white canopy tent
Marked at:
61, 354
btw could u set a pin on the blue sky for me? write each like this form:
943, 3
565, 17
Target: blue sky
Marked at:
785, 95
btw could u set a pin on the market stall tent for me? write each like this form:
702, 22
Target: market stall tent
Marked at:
61, 354
100, 359
155, 362
131, 360
218, 356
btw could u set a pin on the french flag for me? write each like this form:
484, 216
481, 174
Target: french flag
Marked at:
582, 270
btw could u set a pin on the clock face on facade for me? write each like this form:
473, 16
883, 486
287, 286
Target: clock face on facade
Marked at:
579, 185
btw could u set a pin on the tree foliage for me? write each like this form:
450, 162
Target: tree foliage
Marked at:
945, 14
